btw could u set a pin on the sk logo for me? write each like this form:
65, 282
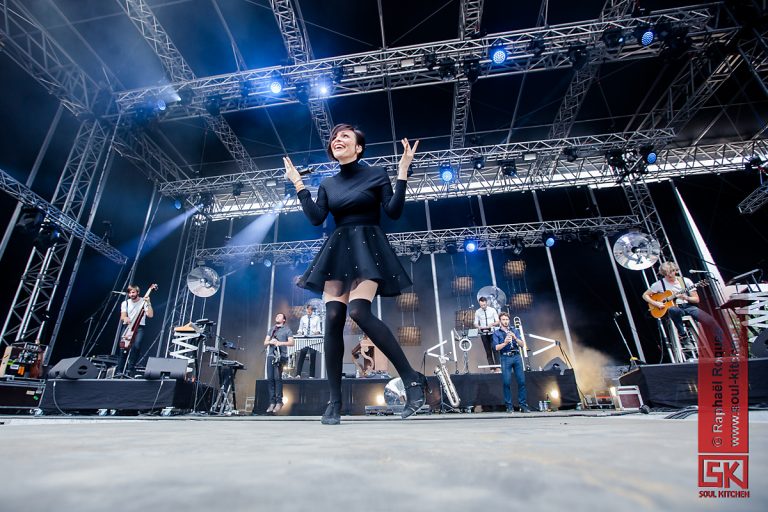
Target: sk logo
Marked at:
722, 471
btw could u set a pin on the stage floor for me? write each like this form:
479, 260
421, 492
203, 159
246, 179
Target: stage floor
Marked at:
545, 461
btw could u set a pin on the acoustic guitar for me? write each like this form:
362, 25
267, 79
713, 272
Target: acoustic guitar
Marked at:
667, 298
129, 334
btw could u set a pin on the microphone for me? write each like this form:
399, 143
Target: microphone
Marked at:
617, 314
304, 172
119, 293
698, 272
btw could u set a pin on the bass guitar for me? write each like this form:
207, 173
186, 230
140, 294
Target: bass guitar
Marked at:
274, 350
667, 298
129, 334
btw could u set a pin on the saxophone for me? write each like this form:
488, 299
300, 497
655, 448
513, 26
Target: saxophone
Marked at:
445, 382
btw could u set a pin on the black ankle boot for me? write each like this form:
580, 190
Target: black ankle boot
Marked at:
415, 394
332, 414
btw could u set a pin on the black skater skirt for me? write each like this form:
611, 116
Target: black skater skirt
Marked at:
353, 254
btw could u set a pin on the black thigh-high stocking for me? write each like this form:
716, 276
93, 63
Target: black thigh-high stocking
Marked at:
382, 337
333, 345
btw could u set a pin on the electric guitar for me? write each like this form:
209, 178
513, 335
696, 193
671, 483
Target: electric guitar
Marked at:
274, 349
667, 298
129, 334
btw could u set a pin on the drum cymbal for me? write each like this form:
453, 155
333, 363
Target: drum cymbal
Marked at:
203, 282
636, 251
495, 295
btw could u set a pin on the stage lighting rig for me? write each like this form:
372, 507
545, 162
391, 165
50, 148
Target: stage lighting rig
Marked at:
578, 55
471, 69
498, 54
508, 168
276, 83
447, 69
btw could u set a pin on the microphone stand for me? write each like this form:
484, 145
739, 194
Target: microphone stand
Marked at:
632, 359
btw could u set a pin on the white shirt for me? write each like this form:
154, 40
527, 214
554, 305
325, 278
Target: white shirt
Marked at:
132, 309
675, 287
309, 325
486, 317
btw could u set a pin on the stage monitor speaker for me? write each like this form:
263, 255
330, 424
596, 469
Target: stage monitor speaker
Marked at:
165, 368
556, 364
74, 368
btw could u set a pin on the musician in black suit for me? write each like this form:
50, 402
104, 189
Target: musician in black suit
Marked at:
129, 312
278, 338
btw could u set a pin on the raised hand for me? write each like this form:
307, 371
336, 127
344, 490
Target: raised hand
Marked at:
291, 174
406, 159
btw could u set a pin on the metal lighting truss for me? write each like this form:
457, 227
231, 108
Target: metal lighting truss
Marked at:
493, 237
299, 50
179, 71
34, 296
580, 83
409, 66
589, 170
469, 26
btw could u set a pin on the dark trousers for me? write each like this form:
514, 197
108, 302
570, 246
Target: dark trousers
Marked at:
508, 364
312, 360
274, 381
131, 355
490, 354
711, 327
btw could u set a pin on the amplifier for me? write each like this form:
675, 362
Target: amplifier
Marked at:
17, 396
628, 398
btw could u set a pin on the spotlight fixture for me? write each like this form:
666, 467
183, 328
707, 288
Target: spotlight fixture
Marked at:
447, 69
302, 92
186, 95
415, 252
517, 248
753, 163
267, 261
451, 247
613, 37
430, 61
537, 46
644, 35
529, 156
470, 245
471, 69
323, 87
446, 172
498, 54
213, 105
648, 154
431, 246
570, 154
615, 159
246, 87
276, 83
509, 168
578, 56
478, 162
160, 105
48, 236
548, 238
177, 203
237, 189
337, 75
30, 219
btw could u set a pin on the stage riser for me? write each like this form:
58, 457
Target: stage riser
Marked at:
308, 397
88, 395
676, 385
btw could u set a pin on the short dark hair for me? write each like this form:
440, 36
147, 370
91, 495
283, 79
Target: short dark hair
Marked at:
359, 138
482, 299
285, 318
503, 314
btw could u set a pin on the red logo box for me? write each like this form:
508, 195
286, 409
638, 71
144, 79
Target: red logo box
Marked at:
723, 470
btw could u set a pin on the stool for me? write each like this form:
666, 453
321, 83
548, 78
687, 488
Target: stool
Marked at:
687, 346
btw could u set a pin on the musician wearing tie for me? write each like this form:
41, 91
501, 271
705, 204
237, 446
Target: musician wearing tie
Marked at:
309, 325
278, 338
685, 300
487, 320
508, 343
130, 310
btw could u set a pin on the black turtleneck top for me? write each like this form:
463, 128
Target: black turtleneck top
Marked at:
353, 196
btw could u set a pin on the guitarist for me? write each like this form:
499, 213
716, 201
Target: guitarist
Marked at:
278, 338
685, 302
129, 311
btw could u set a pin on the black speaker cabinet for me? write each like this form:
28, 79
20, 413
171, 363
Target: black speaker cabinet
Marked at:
169, 368
74, 368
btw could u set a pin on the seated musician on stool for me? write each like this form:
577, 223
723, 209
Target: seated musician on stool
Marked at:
279, 337
309, 325
487, 320
672, 281
507, 341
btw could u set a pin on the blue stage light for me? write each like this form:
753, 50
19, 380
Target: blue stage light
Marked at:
647, 38
651, 157
498, 54
447, 173
470, 245
276, 83
161, 105
548, 239
177, 204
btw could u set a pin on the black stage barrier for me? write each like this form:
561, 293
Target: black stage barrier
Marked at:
308, 397
676, 385
89, 395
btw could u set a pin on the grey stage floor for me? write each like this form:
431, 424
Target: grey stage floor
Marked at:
544, 461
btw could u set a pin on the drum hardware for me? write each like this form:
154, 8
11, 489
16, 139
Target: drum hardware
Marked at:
636, 251
496, 297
